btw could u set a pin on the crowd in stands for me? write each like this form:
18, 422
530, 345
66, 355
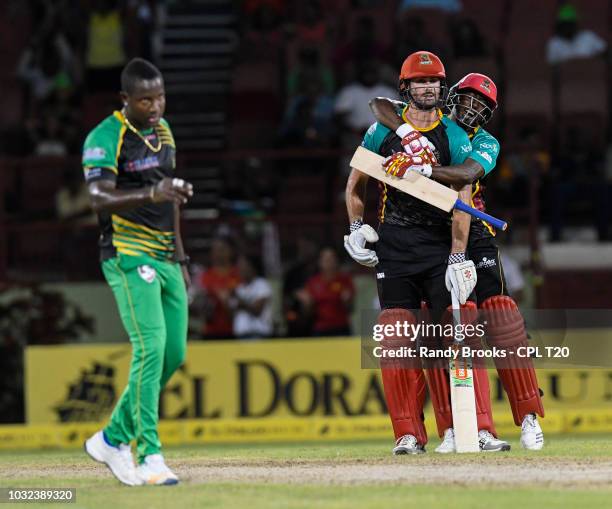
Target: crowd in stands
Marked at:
231, 298
550, 60
309, 67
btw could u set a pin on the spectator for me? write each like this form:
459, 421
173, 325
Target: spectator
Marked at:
578, 172
352, 100
329, 297
309, 118
311, 28
72, 200
352, 106
46, 67
309, 67
298, 272
364, 45
252, 302
264, 36
467, 39
105, 46
569, 41
216, 285
50, 138
412, 37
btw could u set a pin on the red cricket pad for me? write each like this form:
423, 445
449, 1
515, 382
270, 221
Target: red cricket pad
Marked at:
505, 329
404, 387
439, 383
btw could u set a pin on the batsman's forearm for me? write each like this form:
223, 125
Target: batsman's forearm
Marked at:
384, 111
105, 198
355, 195
459, 175
461, 223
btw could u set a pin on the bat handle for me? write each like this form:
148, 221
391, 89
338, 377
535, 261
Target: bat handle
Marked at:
456, 307
497, 223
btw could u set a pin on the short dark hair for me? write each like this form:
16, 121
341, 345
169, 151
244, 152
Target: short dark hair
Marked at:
137, 69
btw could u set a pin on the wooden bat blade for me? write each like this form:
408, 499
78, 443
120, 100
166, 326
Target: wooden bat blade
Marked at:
463, 405
413, 184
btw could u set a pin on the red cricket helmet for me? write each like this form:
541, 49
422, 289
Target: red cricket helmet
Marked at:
422, 64
475, 109
481, 84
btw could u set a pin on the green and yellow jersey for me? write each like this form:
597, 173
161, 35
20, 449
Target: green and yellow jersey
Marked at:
116, 151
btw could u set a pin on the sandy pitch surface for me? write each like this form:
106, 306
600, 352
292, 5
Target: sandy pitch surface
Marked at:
500, 471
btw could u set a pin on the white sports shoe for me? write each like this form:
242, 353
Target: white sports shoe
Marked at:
408, 445
488, 443
532, 437
118, 459
153, 470
448, 442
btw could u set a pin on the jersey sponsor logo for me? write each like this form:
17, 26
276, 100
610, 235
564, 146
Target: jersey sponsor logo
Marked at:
489, 146
486, 263
466, 148
147, 273
485, 156
142, 164
94, 154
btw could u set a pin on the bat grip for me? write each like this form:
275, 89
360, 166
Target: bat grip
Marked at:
456, 307
497, 223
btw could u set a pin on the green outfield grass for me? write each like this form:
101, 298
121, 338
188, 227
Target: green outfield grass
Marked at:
198, 466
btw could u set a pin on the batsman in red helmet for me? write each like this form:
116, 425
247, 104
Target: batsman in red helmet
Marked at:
411, 247
472, 102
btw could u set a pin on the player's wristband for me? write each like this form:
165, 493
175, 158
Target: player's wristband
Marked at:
152, 194
404, 130
456, 258
355, 225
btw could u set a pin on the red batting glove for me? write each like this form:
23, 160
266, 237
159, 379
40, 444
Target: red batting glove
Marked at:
399, 163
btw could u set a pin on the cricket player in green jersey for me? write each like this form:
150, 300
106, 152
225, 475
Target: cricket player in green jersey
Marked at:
129, 161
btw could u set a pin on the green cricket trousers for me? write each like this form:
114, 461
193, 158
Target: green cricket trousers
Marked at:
152, 302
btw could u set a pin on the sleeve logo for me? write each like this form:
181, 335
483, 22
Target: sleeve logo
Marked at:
485, 156
94, 154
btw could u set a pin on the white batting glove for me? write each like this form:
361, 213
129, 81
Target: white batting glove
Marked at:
416, 144
460, 276
355, 242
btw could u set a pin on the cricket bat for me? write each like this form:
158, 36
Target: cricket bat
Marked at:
463, 400
418, 186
